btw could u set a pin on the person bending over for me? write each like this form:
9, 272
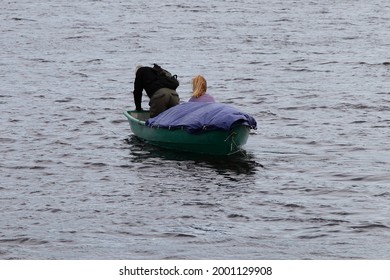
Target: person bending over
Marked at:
161, 97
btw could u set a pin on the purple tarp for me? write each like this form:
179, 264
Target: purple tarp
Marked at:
199, 116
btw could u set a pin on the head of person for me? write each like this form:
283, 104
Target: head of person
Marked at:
137, 68
199, 86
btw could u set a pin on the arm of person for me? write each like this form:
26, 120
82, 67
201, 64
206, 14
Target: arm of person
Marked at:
138, 88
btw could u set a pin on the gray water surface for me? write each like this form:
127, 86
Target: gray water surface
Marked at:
313, 182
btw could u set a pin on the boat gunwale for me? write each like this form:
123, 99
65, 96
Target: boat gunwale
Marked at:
134, 119
141, 122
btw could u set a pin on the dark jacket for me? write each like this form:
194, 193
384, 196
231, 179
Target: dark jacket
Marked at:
145, 79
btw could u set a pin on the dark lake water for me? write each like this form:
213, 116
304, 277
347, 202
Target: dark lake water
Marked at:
313, 182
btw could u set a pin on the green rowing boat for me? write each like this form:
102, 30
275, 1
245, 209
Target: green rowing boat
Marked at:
215, 142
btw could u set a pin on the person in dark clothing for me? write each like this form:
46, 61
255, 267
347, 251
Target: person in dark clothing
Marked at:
161, 97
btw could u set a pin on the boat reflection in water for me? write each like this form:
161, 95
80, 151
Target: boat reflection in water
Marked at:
242, 162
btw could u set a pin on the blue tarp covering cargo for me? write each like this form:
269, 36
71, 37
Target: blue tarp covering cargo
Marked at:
200, 116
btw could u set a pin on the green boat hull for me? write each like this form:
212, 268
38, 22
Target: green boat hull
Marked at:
217, 142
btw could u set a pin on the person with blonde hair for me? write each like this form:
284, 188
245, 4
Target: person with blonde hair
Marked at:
199, 87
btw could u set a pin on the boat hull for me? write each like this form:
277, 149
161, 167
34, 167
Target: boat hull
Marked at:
217, 142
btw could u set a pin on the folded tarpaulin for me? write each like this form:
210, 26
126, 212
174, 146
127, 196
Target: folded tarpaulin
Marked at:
200, 116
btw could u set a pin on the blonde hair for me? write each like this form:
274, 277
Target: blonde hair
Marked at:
199, 86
